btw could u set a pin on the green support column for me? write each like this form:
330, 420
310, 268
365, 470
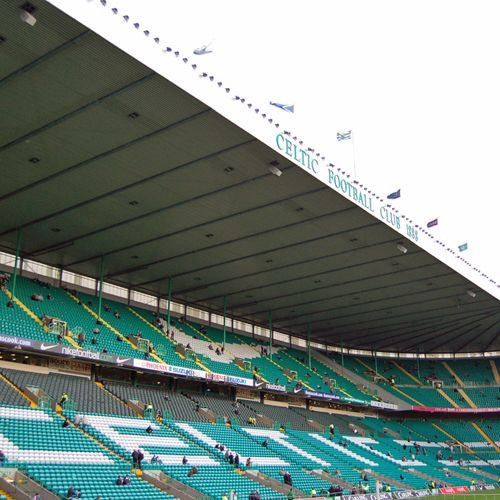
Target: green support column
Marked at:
101, 279
270, 335
342, 355
376, 365
16, 262
169, 300
224, 329
309, 345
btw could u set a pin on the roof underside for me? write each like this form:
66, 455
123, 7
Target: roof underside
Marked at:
180, 191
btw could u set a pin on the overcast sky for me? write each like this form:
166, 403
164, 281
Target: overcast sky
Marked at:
418, 82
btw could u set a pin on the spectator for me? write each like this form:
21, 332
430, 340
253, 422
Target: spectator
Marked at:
126, 479
78, 419
81, 338
401, 477
248, 462
217, 351
116, 314
2, 457
313, 492
211, 347
184, 460
337, 472
149, 430
71, 492
140, 458
193, 471
290, 494
135, 458
36, 496
332, 429
93, 341
237, 460
287, 478
65, 423
231, 458
119, 481
96, 331
265, 443
64, 398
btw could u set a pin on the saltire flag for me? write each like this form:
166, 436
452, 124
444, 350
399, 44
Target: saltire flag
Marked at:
432, 223
463, 247
394, 195
284, 107
344, 136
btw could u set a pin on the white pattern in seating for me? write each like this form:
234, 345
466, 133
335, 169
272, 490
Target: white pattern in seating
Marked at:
24, 414
475, 463
424, 444
363, 442
16, 454
256, 460
131, 442
200, 346
346, 451
281, 438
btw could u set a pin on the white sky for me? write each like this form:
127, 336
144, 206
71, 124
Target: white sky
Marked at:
417, 81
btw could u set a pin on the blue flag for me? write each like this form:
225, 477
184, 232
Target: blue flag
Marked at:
394, 195
344, 136
432, 223
284, 107
463, 247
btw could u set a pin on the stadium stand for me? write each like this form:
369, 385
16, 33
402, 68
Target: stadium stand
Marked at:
58, 458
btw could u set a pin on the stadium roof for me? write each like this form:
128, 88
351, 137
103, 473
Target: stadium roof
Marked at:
102, 156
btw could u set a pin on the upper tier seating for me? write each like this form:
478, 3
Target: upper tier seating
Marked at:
64, 307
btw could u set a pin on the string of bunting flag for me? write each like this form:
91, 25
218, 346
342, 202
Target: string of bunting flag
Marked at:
308, 153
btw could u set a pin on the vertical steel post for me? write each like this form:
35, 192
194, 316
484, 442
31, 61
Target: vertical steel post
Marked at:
169, 300
16, 262
309, 345
224, 329
342, 354
101, 279
270, 334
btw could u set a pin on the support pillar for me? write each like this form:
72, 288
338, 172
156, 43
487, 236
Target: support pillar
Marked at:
270, 335
101, 279
376, 365
309, 345
169, 301
16, 263
342, 356
224, 329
